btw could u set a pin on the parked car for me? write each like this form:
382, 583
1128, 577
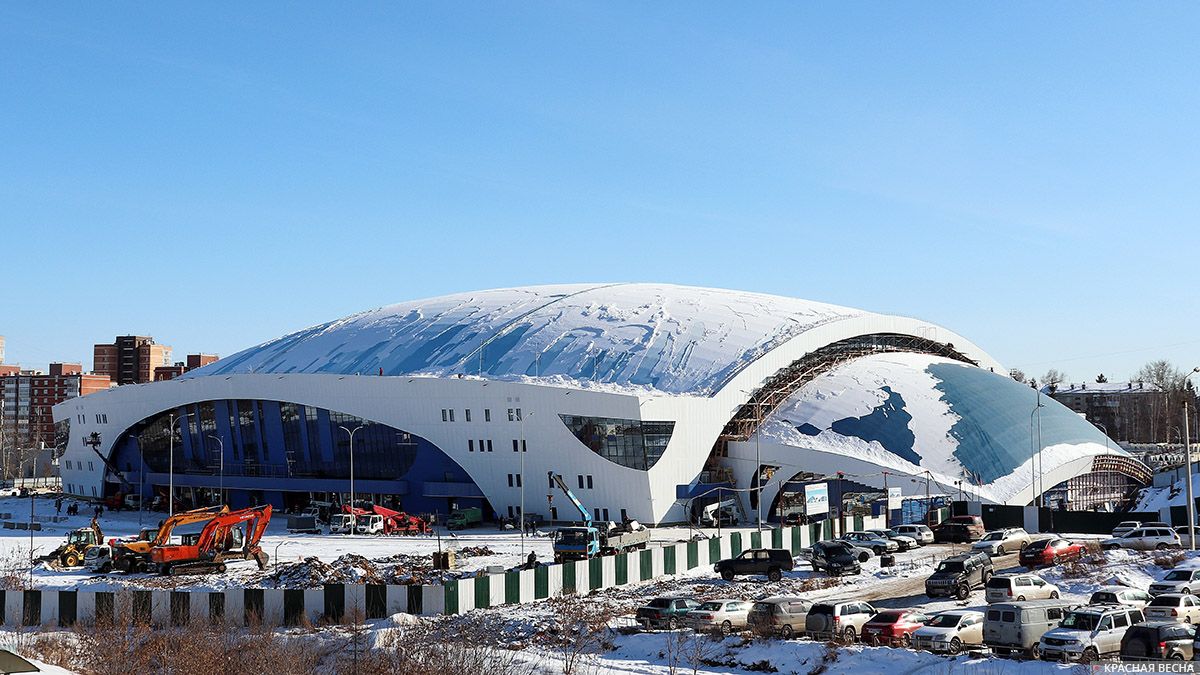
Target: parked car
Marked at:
875, 543
1019, 626
725, 615
665, 612
10, 492
1000, 542
1175, 607
1125, 527
835, 558
961, 529
958, 575
904, 542
837, 620
1121, 595
1088, 633
893, 627
1144, 539
921, 533
780, 615
1050, 551
1018, 588
1179, 580
1185, 539
794, 518
772, 562
1160, 641
950, 631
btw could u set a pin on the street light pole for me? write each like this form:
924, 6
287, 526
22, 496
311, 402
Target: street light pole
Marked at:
353, 518
522, 514
1034, 453
1187, 455
758, 466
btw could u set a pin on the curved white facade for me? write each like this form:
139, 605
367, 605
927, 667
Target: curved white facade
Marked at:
683, 357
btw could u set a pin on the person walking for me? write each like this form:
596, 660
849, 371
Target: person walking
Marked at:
58, 506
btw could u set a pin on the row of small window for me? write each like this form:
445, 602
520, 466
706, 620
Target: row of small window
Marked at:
600, 514
71, 489
514, 414
79, 465
101, 418
486, 446
514, 480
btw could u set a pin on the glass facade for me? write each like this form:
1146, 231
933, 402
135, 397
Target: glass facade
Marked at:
637, 444
271, 439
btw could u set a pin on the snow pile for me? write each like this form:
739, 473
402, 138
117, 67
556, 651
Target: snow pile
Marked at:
1154, 499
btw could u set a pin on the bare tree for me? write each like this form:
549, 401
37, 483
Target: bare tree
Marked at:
1017, 374
1053, 378
1101, 378
1162, 374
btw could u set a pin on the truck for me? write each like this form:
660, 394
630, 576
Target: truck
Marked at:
463, 518
76, 545
583, 542
382, 520
346, 521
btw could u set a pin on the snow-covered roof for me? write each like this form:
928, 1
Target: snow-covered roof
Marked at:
1103, 388
673, 339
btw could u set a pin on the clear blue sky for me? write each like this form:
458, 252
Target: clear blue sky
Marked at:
218, 175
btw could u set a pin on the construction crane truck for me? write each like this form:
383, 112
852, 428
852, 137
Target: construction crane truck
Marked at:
228, 536
381, 520
588, 540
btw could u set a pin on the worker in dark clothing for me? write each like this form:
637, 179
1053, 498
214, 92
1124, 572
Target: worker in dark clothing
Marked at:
531, 561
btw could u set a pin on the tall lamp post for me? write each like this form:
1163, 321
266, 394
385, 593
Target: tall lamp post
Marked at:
350, 433
171, 464
1187, 454
1035, 452
221, 446
522, 450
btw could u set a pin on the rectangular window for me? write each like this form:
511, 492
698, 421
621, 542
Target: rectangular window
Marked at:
550, 481
470, 445
105, 418
597, 512
510, 480
487, 414
524, 447
467, 415
452, 414
553, 513
515, 446
68, 465
512, 417
580, 477
606, 514
91, 467
445, 417
518, 414
489, 445
589, 482
97, 418
624, 516
93, 490
510, 512
518, 480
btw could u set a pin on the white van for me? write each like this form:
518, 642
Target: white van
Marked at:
1019, 626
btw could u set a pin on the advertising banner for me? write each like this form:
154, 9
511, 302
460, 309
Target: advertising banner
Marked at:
894, 498
816, 498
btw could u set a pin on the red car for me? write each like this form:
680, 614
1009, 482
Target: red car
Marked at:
893, 627
1050, 551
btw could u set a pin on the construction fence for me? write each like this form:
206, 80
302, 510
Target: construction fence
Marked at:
338, 603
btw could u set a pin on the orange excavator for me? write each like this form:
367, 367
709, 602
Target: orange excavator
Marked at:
228, 536
134, 556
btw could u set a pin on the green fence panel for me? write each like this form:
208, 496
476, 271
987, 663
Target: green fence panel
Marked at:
693, 555
512, 588
595, 573
858, 523
735, 544
798, 539
668, 560
483, 591
756, 540
777, 538
828, 529
622, 569
541, 582
645, 565
569, 583
714, 550
450, 595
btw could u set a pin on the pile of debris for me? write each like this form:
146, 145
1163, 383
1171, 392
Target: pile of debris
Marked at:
474, 551
311, 572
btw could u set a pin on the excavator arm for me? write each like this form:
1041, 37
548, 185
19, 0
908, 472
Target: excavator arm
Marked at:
185, 518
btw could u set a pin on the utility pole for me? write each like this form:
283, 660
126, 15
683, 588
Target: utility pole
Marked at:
1191, 502
353, 518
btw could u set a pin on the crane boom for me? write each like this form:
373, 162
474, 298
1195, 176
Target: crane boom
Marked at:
557, 479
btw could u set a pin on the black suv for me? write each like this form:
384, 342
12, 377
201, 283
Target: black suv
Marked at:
772, 562
958, 575
1158, 640
834, 557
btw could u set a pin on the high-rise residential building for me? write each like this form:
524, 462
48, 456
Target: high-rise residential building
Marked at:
27, 396
130, 359
1, 349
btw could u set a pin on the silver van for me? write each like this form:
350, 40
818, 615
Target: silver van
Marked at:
1019, 626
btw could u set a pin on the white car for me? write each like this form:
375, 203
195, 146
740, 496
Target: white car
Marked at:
725, 615
1144, 539
1125, 527
999, 542
10, 492
873, 542
1121, 595
1185, 539
1179, 580
1088, 633
950, 631
1019, 588
921, 533
1174, 607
